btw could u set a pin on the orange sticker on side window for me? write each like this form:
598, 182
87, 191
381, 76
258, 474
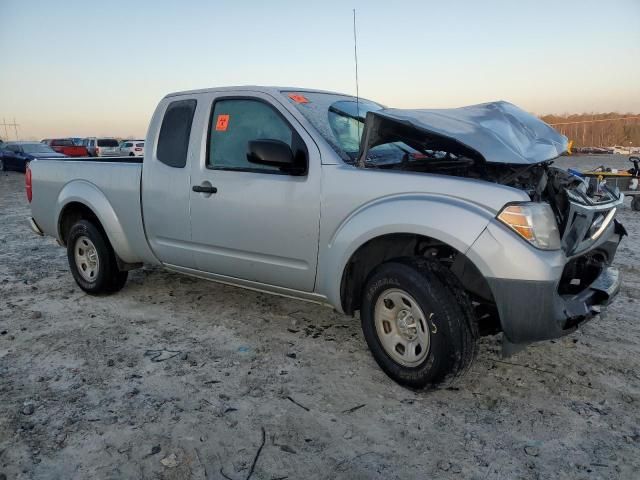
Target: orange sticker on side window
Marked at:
222, 123
298, 98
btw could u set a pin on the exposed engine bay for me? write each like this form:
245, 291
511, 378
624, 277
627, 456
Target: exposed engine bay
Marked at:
495, 142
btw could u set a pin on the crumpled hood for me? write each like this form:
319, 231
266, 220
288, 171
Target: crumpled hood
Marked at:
500, 132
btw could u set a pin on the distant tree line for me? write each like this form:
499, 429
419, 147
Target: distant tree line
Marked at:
598, 129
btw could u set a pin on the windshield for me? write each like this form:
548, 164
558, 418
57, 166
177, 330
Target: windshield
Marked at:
37, 148
62, 143
340, 120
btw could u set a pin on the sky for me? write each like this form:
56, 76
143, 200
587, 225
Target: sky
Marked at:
85, 68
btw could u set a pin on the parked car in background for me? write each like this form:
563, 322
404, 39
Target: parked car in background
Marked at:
620, 150
132, 148
17, 155
102, 147
67, 147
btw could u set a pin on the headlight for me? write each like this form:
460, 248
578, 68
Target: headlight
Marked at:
600, 223
535, 222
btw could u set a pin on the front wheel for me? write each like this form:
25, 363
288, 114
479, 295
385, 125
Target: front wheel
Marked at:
418, 322
92, 260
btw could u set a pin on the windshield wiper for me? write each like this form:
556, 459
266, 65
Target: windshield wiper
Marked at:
359, 118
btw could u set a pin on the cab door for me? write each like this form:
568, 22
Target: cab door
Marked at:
248, 221
166, 181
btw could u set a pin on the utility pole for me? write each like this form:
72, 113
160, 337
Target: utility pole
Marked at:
14, 125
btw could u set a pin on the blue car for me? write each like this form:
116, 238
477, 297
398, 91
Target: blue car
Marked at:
17, 155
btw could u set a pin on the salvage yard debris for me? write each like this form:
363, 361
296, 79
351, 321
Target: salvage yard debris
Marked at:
161, 355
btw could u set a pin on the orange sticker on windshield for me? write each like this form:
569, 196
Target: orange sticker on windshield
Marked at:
298, 98
222, 123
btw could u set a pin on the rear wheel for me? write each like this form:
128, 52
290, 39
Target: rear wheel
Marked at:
635, 203
1, 165
92, 260
418, 322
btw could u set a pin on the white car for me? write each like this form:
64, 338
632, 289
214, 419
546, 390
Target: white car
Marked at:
132, 148
102, 147
620, 150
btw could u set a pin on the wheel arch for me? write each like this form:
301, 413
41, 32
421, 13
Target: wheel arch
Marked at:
71, 213
391, 226
81, 199
384, 248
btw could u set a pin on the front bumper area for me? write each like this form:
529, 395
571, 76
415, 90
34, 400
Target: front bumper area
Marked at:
540, 295
534, 310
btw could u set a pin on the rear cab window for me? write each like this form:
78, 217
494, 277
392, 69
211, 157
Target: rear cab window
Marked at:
107, 142
175, 131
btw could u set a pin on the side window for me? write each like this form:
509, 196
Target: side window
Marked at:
175, 131
234, 123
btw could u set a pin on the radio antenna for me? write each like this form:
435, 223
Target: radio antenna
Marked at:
355, 56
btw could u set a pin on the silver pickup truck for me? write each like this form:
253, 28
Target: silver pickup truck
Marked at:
437, 226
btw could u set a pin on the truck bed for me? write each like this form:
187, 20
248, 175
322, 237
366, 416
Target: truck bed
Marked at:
109, 186
124, 159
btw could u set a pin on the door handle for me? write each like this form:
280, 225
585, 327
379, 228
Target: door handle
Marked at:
205, 188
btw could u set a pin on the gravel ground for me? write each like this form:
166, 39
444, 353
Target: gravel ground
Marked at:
180, 378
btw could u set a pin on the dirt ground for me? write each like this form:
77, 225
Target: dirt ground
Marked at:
181, 378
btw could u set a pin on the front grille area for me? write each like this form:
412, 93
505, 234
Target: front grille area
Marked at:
580, 272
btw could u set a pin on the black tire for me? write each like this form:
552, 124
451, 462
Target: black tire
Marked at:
108, 278
132, 154
2, 166
635, 203
452, 325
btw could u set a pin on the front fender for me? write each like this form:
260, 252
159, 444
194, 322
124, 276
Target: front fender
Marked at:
453, 221
88, 194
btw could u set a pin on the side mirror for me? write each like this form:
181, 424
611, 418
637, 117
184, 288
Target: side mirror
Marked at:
270, 152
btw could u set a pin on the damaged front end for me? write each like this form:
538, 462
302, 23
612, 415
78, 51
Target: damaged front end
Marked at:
584, 210
499, 143
495, 142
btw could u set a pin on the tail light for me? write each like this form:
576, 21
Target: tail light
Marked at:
27, 184
137, 149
